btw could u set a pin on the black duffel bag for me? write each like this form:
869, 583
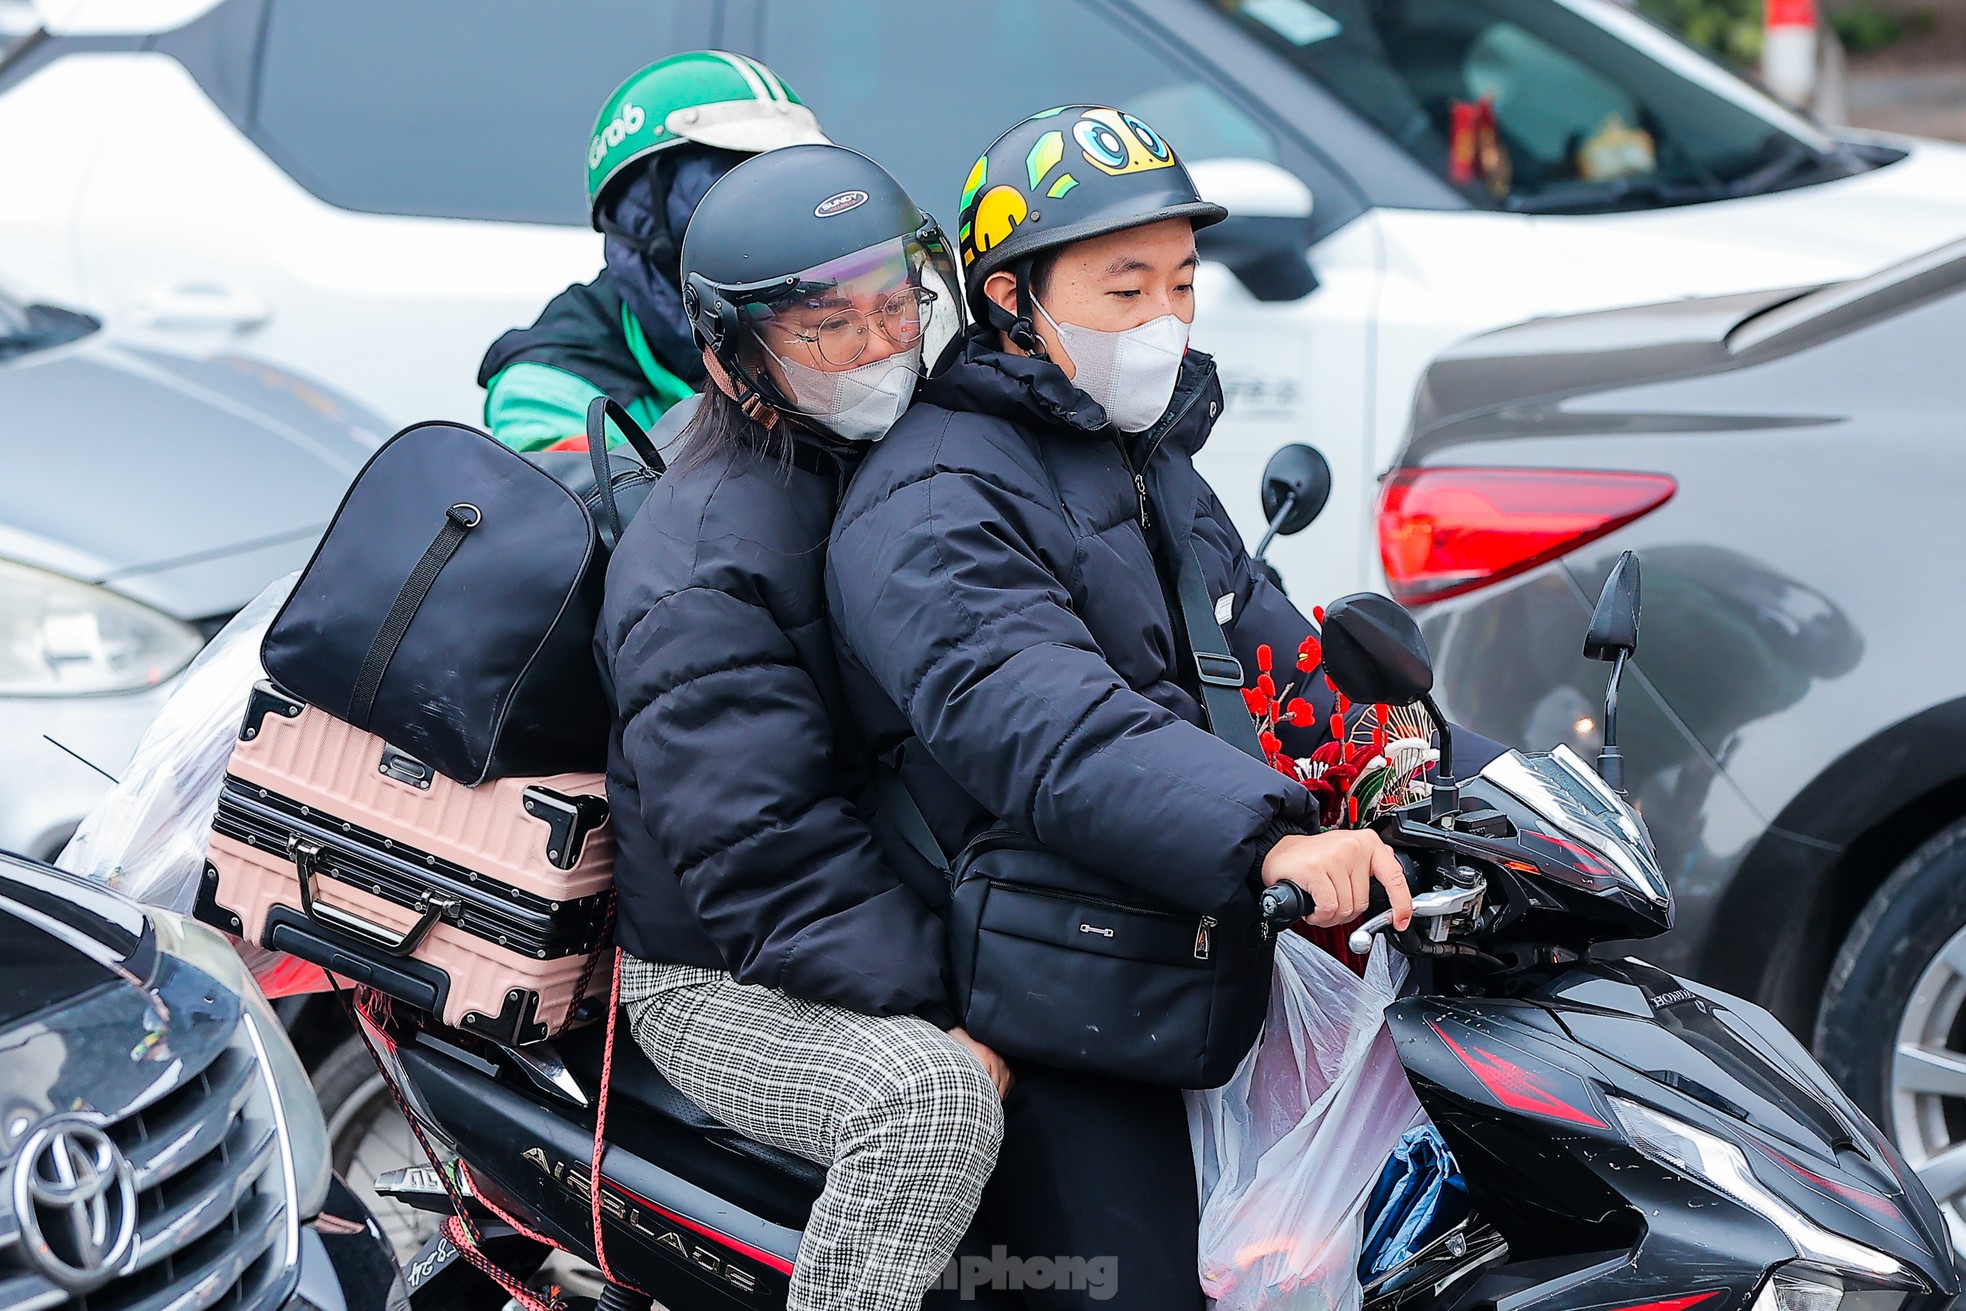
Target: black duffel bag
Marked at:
450, 606
1056, 963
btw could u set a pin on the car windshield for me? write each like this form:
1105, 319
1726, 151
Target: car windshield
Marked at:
1547, 106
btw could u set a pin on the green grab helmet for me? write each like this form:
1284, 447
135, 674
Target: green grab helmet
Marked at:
709, 97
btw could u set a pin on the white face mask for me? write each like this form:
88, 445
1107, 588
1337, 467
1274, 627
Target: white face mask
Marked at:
859, 404
1132, 373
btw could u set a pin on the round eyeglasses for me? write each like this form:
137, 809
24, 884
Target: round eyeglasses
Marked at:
841, 338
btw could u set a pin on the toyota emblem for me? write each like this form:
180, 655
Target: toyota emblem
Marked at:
76, 1202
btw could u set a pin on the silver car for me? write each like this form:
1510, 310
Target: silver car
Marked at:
144, 498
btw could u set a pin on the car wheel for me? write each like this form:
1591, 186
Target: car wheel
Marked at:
368, 1137
1892, 1030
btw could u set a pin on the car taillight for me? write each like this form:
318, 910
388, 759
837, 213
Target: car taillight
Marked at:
1446, 531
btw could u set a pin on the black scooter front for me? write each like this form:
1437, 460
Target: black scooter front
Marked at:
1645, 1142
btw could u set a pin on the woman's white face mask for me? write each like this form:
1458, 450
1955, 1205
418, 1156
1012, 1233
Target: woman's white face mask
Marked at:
858, 404
1131, 373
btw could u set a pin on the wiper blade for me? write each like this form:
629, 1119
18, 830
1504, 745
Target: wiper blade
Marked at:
1597, 197
1796, 161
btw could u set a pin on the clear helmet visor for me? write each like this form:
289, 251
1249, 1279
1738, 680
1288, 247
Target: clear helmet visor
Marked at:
844, 343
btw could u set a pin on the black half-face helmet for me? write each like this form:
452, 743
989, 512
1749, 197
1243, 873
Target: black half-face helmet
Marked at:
808, 260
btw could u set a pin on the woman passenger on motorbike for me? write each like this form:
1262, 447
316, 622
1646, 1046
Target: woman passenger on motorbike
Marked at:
779, 973
997, 592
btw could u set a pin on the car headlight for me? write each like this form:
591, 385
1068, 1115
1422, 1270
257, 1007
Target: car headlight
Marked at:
210, 952
1723, 1167
59, 637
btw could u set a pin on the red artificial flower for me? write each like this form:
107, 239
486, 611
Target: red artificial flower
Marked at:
1329, 753
1266, 685
1287, 767
1263, 657
1327, 800
1301, 713
1317, 615
1259, 705
1271, 743
1310, 655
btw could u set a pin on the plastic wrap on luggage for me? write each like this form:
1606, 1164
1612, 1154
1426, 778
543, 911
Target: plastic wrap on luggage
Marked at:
147, 836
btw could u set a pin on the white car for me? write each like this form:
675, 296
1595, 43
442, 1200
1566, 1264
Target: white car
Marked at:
370, 191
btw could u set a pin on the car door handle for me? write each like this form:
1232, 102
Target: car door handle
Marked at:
195, 306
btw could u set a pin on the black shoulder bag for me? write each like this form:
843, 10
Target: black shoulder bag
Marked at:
1055, 963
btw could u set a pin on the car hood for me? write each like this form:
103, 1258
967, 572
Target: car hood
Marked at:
64, 939
186, 484
1804, 236
93, 1017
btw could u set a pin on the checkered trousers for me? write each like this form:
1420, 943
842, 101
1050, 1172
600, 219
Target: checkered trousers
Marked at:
906, 1122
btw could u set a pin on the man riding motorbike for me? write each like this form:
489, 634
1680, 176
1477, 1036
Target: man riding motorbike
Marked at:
997, 583
662, 139
779, 974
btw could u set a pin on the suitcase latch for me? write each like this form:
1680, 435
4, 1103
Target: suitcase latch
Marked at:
405, 768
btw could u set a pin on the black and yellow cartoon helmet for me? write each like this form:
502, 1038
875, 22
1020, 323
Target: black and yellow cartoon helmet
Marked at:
1065, 175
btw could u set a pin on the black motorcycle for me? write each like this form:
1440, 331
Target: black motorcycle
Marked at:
1629, 1140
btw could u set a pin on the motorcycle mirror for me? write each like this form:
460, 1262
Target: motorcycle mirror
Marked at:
1613, 636
1296, 485
1614, 624
1374, 653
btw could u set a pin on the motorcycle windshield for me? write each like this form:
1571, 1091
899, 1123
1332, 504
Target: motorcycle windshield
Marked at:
1603, 839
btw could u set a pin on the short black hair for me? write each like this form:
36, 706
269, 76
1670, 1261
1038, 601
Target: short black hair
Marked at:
1042, 265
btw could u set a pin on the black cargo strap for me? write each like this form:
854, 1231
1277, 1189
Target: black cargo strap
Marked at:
458, 520
599, 411
1218, 669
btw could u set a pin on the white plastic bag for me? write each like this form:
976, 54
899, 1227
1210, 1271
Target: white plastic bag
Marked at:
147, 835
1287, 1151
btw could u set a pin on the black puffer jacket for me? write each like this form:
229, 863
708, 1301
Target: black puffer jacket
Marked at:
995, 594
733, 767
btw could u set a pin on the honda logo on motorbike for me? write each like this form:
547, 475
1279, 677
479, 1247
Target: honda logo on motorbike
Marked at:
76, 1202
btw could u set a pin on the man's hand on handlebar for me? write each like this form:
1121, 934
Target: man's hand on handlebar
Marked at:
1337, 868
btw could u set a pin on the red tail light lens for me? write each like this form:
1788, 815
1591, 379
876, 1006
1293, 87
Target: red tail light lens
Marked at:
1443, 532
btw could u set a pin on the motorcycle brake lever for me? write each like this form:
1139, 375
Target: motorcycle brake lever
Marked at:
1437, 904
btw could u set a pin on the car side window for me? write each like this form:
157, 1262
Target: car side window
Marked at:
1529, 104
474, 109
923, 89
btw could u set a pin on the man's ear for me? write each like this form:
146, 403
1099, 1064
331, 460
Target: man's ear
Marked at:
1000, 288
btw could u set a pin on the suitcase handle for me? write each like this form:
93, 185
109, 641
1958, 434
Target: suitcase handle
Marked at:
388, 940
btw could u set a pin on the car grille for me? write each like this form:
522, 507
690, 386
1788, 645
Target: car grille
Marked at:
214, 1231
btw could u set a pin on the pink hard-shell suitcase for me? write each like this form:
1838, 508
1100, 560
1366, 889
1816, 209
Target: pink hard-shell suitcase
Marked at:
486, 906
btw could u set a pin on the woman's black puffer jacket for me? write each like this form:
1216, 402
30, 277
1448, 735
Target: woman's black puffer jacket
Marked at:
734, 771
995, 594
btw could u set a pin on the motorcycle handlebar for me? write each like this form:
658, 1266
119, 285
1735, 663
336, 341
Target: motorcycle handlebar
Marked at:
1285, 903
